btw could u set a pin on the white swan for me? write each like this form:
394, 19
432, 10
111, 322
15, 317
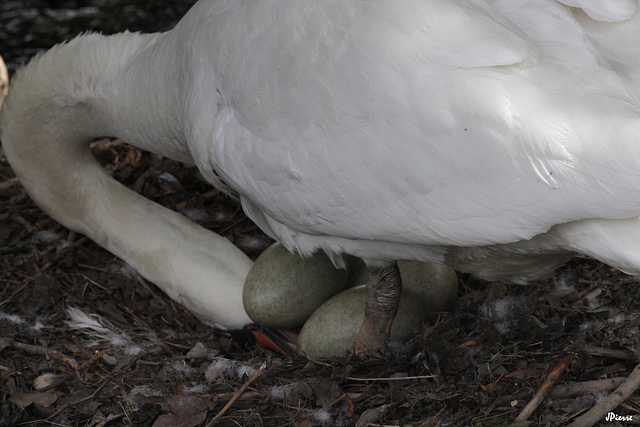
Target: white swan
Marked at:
499, 136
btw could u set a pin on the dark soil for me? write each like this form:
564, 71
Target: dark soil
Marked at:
479, 365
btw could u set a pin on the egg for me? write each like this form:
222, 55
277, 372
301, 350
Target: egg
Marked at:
331, 330
283, 289
434, 285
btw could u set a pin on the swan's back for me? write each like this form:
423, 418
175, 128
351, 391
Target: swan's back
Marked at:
392, 129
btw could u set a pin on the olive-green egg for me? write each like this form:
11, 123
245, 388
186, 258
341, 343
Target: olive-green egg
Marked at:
331, 330
435, 285
283, 289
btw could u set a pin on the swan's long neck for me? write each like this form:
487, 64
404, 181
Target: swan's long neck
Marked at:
109, 86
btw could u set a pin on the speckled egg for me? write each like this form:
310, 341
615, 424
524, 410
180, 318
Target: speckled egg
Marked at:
332, 329
283, 289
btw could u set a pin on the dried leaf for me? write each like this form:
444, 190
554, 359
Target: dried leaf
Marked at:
327, 392
186, 405
186, 411
23, 400
171, 420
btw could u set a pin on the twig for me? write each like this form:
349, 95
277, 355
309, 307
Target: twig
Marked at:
352, 407
26, 224
558, 372
9, 187
38, 350
246, 395
607, 352
373, 415
610, 402
578, 389
145, 285
111, 417
419, 377
238, 393
10, 297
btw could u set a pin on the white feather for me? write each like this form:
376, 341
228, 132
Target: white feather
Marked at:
607, 10
96, 328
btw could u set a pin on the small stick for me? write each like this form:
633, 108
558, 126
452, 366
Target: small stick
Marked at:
578, 389
610, 402
38, 350
418, 377
607, 352
238, 393
9, 187
558, 372
26, 224
352, 407
10, 297
373, 415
